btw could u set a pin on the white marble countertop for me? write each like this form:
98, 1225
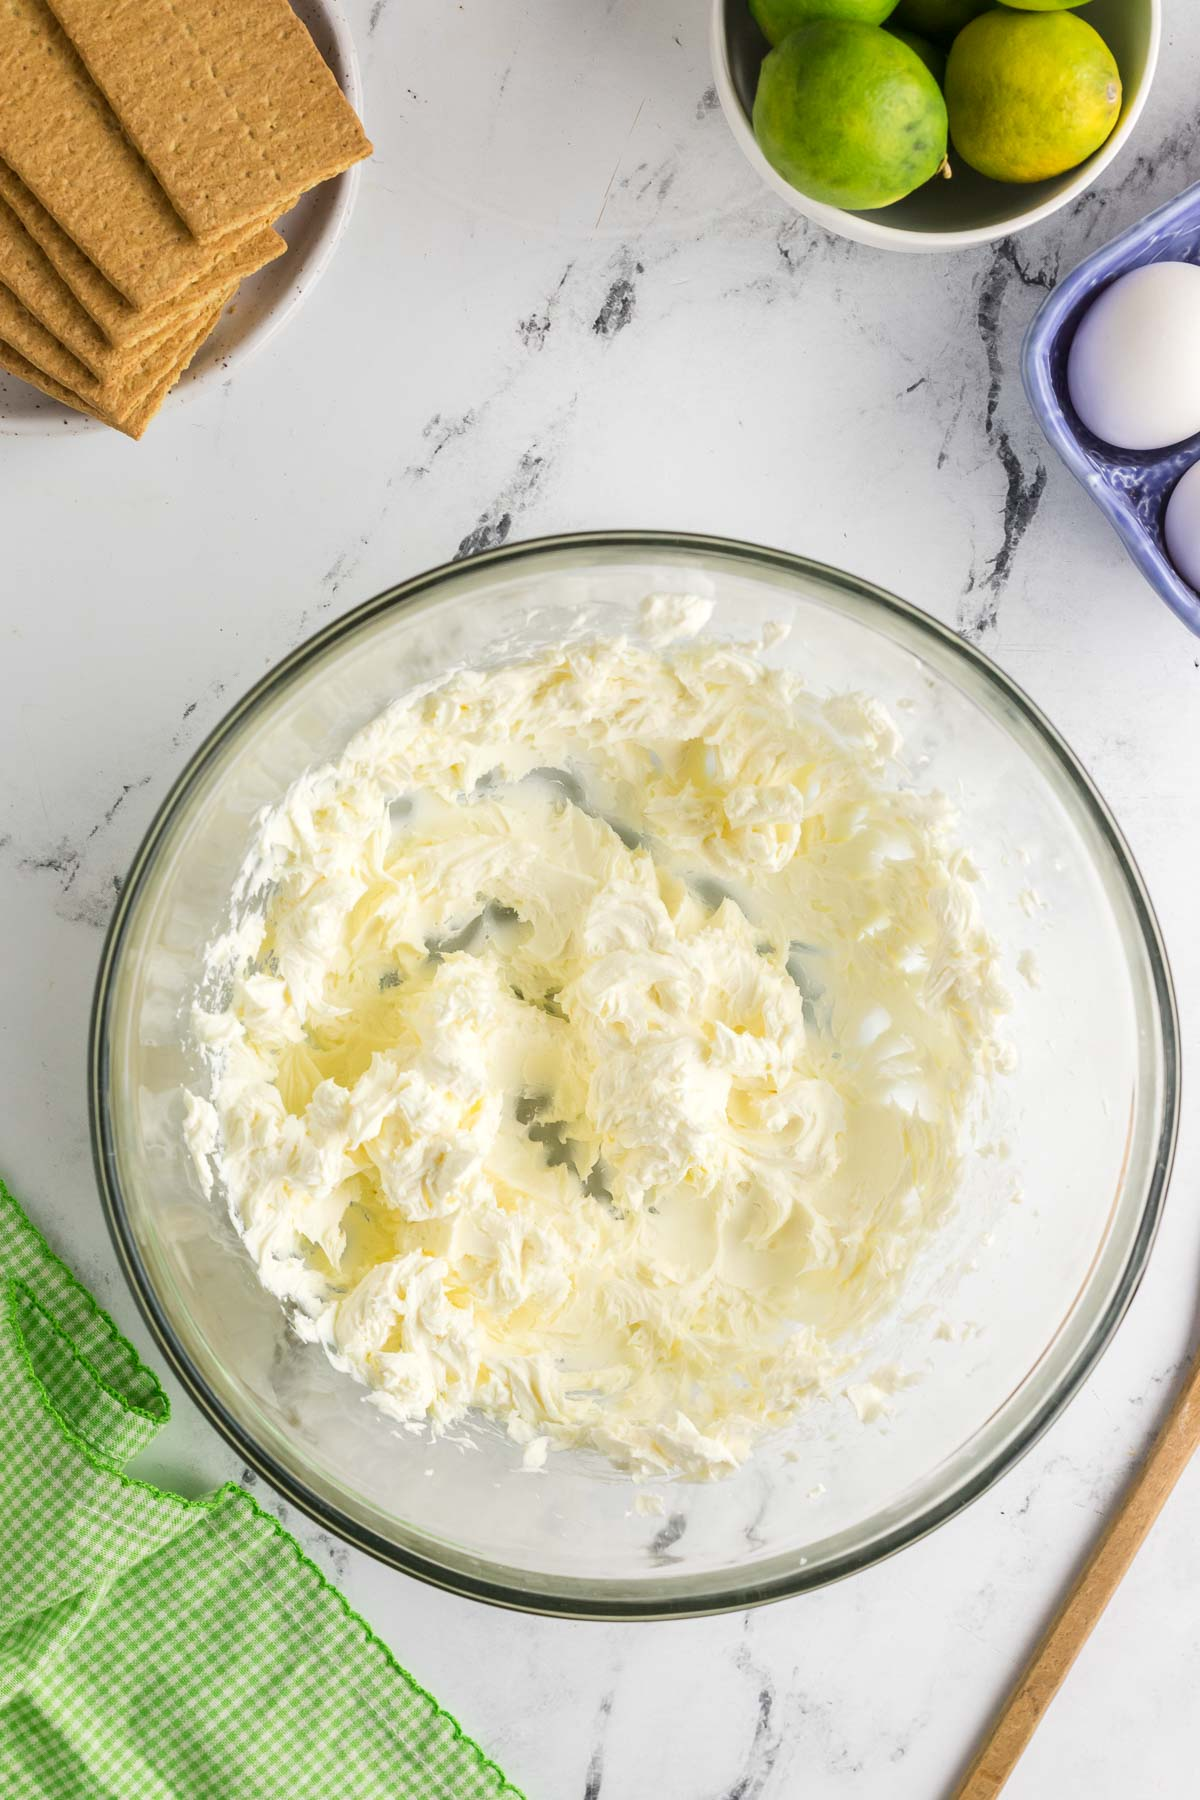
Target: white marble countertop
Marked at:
564, 301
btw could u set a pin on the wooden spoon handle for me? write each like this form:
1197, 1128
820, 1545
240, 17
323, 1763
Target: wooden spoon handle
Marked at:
1094, 1587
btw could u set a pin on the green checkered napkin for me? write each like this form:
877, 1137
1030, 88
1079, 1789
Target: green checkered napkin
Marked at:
164, 1648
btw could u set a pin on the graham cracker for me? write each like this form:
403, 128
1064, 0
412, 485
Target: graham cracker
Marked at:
127, 387
122, 324
141, 409
27, 272
39, 346
120, 393
229, 101
59, 135
14, 363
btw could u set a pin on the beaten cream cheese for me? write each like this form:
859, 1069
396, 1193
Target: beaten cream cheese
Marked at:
594, 1043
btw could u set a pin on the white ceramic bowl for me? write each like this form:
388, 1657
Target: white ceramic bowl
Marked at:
943, 215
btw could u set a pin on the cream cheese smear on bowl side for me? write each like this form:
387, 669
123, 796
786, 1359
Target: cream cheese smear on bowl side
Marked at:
592, 1044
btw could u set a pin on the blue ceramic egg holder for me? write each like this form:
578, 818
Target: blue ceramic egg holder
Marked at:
1131, 488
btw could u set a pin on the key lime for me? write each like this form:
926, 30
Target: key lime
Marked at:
932, 55
849, 115
1030, 95
777, 19
937, 19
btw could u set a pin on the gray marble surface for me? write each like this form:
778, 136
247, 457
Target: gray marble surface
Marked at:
565, 302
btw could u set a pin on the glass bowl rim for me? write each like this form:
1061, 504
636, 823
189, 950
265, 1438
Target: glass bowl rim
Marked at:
744, 1591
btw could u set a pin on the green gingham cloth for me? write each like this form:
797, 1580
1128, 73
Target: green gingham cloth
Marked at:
162, 1648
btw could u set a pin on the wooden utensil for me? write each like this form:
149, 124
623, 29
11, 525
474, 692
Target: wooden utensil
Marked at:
1094, 1587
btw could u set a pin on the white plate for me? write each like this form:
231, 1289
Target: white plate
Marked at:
265, 302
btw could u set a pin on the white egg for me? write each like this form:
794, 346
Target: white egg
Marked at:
1181, 527
1134, 367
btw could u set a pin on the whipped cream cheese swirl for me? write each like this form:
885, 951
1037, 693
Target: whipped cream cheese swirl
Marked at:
594, 1047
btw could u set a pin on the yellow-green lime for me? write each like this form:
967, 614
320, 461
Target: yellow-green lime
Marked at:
849, 115
938, 19
778, 18
1044, 5
1030, 95
932, 55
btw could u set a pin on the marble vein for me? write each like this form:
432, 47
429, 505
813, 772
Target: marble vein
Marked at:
767, 1740
594, 1779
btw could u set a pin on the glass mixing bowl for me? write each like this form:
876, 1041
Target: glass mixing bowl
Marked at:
1007, 1312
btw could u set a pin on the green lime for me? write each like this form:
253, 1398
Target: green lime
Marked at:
849, 115
1030, 95
932, 55
938, 19
1044, 5
777, 19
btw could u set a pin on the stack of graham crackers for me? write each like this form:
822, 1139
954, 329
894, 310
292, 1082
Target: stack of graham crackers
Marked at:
145, 148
